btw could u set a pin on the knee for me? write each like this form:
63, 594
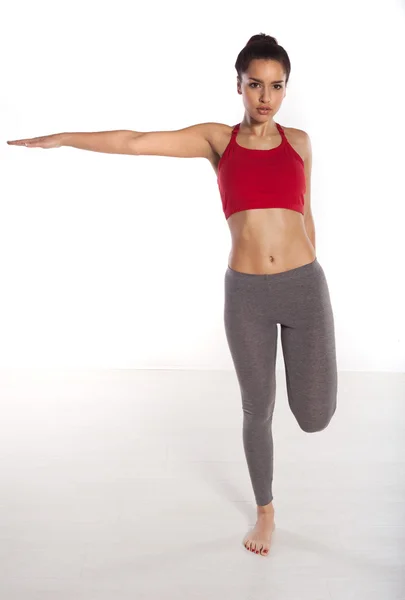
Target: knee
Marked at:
317, 424
314, 427
258, 418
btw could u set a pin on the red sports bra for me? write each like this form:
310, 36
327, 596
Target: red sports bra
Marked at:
251, 178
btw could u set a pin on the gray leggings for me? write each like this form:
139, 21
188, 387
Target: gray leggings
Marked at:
297, 299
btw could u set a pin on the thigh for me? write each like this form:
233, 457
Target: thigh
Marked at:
252, 341
309, 350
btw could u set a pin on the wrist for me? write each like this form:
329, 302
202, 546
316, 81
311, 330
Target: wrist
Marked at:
64, 139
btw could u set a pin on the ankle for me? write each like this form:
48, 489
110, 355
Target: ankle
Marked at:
268, 509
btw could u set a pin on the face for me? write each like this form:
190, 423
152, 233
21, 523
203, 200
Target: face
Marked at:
262, 85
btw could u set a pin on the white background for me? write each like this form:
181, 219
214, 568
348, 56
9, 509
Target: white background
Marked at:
118, 261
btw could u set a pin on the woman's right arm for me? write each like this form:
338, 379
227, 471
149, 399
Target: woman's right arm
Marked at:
193, 141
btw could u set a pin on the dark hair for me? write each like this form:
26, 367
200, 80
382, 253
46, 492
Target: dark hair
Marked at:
262, 46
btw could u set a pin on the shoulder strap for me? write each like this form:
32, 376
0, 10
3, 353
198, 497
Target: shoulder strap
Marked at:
281, 130
235, 129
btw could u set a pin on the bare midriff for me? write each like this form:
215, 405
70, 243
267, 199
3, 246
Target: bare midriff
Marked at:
269, 240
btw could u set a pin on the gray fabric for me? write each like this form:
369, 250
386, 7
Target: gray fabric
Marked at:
298, 300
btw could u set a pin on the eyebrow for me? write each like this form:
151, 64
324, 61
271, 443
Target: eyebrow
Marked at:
260, 81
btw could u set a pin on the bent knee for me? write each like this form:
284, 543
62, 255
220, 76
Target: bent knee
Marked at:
313, 427
319, 424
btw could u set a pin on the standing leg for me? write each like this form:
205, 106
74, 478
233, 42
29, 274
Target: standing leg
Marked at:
252, 340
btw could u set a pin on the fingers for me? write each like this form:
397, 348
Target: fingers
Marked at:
18, 142
47, 141
24, 142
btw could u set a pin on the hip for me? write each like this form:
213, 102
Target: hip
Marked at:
297, 297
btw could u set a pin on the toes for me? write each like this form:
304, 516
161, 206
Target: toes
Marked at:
256, 549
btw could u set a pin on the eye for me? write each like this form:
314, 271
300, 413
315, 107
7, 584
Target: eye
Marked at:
278, 86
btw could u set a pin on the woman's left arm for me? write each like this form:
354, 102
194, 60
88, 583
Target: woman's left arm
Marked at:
308, 219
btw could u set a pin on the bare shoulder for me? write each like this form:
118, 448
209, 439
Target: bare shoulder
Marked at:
219, 138
300, 141
298, 135
218, 133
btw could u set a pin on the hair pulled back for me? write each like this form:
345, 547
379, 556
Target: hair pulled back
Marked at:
262, 46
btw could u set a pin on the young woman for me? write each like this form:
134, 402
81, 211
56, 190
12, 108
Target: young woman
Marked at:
273, 275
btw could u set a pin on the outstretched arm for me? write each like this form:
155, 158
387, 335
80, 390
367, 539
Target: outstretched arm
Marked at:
193, 141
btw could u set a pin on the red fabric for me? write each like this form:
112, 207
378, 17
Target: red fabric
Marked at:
249, 178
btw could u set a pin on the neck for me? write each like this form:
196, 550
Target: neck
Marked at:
258, 128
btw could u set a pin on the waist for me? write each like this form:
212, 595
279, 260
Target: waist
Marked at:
271, 256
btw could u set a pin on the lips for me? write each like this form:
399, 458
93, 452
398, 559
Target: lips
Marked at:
262, 109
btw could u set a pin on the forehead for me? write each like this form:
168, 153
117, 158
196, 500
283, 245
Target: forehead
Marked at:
265, 70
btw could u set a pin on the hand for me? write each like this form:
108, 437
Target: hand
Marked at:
47, 141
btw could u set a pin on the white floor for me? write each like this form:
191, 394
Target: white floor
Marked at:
133, 484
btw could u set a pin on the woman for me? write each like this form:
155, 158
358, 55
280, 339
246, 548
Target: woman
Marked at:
273, 275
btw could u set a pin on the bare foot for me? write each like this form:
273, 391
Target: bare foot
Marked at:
259, 538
